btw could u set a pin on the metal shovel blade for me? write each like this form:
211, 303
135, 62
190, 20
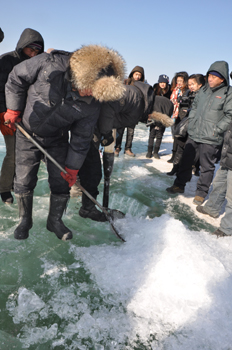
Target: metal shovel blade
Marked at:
111, 216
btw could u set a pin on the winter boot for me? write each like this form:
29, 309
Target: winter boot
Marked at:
172, 158
25, 201
7, 198
219, 233
202, 210
174, 170
156, 155
174, 189
129, 153
116, 152
149, 152
198, 200
88, 210
58, 204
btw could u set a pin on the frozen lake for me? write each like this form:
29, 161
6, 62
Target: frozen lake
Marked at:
167, 288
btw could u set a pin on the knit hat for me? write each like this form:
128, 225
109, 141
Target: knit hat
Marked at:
163, 78
213, 72
100, 69
35, 46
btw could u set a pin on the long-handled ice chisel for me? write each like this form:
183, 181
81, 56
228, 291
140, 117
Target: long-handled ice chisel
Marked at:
111, 214
108, 164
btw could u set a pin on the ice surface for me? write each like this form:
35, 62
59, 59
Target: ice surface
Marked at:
167, 288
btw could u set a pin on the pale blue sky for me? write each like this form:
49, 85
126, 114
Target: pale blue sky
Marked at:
162, 36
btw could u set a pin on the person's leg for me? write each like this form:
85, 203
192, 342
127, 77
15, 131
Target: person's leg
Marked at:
226, 222
217, 195
177, 157
59, 196
27, 161
185, 167
118, 145
90, 176
151, 138
8, 170
208, 157
129, 139
159, 136
174, 146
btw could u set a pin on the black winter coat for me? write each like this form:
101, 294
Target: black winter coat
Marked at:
41, 88
226, 155
158, 91
133, 107
11, 59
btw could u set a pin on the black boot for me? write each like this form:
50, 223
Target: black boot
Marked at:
172, 158
88, 210
24, 201
174, 170
155, 155
58, 204
149, 152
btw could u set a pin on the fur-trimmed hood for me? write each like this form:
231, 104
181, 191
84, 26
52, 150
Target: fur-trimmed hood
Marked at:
162, 118
100, 69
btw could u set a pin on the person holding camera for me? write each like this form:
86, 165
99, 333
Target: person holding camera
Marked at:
195, 82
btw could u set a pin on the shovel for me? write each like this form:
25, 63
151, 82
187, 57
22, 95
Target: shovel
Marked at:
111, 214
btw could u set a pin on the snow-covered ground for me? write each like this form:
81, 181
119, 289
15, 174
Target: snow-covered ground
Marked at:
167, 288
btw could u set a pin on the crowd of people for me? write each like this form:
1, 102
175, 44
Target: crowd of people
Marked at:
70, 102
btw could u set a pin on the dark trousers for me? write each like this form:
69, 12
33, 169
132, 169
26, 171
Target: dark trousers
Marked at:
129, 138
208, 155
28, 159
155, 134
91, 171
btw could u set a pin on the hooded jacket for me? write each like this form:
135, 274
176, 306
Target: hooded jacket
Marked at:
41, 88
11, 59
226, 155
134, 106
131, 80
211, 111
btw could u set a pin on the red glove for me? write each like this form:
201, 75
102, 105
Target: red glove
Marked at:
11, 117
4, 129
70, 176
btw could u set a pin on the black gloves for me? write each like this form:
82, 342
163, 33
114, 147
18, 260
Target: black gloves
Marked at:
107, 139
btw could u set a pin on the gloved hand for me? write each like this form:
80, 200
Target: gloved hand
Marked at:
70, 176
11, 117
4, 129
107, 139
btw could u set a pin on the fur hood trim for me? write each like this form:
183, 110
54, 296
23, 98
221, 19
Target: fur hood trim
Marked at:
100, 69
162, 118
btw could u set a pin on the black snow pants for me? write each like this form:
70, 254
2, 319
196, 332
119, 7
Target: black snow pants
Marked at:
156, 132
91, 171
28, 158
208, 155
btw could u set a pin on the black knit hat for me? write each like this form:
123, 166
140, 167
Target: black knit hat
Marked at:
35, 46
163, 78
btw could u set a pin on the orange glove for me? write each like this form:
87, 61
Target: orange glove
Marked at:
4, 129
11, 117
70, 176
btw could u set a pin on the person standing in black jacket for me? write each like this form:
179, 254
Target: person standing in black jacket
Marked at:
29, 45
53, 94
157, 129
137, 74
